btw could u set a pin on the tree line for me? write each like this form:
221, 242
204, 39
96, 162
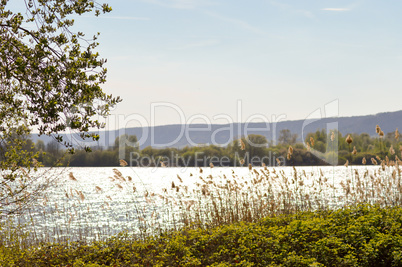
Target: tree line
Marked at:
319, 148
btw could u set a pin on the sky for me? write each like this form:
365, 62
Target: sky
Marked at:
220, 61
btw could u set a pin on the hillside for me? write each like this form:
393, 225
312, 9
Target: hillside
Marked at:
221, 134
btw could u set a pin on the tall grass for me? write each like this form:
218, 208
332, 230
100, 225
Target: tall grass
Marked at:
213, 200
270, 192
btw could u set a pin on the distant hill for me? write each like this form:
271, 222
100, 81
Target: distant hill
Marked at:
221, 134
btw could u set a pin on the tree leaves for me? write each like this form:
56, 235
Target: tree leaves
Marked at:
56, 69
50, 80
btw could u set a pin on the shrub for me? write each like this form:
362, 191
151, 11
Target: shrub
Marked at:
355, 236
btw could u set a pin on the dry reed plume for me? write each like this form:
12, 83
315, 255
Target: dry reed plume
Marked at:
349, 139
223, 199
268, 192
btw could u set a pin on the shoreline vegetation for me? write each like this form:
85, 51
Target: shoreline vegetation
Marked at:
51, 79
363, 235
269, 218
258, 151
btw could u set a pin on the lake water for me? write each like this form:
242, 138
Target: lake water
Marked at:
100, 203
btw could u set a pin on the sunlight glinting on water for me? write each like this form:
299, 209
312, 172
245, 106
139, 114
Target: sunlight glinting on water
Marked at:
105, 201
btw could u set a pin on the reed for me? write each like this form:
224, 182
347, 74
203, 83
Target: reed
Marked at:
271, 192
214, 200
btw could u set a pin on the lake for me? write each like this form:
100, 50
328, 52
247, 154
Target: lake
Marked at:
95, 203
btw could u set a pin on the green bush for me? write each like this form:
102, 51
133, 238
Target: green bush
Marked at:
357, 236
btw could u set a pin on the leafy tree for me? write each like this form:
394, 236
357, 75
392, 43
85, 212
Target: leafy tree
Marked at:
40, 145
257, 145
50, 80
286, 137
125, 144
126, 140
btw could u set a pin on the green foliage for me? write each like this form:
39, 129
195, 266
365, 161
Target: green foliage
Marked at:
256, 146
50, 79
357, 236
46, 69
286, 137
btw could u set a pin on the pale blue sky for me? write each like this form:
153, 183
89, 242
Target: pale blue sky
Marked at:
277, 57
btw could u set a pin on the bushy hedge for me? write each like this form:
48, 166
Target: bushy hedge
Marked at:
356, 236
